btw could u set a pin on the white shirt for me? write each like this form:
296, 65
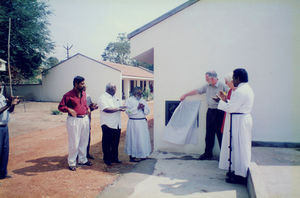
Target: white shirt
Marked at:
112, 120
241, 100
4, 117
88, 100
132, 108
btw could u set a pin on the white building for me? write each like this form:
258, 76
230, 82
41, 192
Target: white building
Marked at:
59, 79
261, 36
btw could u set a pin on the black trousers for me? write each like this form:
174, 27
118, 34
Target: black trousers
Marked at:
110, 143
214, 120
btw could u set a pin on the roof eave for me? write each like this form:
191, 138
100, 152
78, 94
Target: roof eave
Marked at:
161, 18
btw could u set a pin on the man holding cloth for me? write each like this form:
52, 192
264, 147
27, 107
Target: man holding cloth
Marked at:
239, 106
214, 116
74, 103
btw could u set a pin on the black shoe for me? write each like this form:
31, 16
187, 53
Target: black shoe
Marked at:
236, 179
108, 163
142, 159
88, 163
5, 177
90, 157
72, 168
117, 161
133, 159
230, 174
205, 157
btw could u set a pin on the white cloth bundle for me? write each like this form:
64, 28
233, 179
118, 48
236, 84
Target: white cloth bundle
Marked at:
182, 127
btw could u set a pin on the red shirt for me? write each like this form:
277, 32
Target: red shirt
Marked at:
71, 100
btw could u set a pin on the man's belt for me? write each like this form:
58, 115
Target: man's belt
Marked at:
236, 113
81, 116
138, 118
3, 125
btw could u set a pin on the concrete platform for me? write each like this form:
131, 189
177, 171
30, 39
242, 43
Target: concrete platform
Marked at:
279, 172
174, 175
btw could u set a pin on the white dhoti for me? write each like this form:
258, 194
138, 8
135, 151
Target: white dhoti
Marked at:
137, 143
224, 153
78, 137
241, 143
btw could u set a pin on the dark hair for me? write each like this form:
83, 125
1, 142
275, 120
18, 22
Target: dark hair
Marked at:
241, 74
77, 79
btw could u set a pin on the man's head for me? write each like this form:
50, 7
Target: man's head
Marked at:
78, 83
111, 89
228, 80
211, 77
137, 92
240, 75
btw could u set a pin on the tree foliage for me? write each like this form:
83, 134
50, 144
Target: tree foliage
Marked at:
50, 62
30, 37
119, 52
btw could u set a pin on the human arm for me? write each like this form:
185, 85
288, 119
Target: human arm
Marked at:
64, 108
191, 93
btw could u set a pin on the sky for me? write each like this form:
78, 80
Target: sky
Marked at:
89, 25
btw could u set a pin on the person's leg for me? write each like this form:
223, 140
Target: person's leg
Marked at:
115, 145
73, 139
218, 126
4, 151
106, 143
210, 135
84, 135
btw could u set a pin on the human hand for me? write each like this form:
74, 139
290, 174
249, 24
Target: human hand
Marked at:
141, 106
182, 97
72, 112
223, 96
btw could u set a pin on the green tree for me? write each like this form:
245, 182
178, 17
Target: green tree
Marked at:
119, 51
30, 37
50, 62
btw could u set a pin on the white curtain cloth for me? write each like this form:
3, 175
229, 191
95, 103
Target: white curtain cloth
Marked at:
182, 127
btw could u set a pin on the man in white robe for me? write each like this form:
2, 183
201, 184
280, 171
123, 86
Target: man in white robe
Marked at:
240, 106
137, 142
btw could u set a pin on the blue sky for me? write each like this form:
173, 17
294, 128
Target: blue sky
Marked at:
89, 25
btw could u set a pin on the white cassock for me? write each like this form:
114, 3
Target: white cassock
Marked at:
241, 101
137, 142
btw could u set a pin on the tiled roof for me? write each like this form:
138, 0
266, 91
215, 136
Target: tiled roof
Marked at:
130, 71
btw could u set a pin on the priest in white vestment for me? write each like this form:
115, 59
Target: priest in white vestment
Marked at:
239, 106
137, 142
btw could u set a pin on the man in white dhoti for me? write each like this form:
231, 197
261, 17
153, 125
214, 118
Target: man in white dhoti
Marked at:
224, 153
137, 143
239, 106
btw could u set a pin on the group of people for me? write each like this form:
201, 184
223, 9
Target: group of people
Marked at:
79, 106
228, 117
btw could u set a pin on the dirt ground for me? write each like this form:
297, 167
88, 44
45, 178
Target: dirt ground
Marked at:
39, 150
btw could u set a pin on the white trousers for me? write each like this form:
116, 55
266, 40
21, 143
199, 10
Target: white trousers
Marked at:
78, 137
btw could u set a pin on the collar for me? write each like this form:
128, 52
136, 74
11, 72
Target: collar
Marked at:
241, 84
216, 85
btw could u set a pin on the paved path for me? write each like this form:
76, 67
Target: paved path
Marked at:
174, 175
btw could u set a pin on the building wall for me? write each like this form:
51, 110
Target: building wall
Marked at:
59, 79
259, 35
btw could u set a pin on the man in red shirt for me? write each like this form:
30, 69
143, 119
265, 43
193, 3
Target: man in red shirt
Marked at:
74, 103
